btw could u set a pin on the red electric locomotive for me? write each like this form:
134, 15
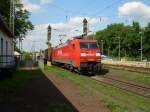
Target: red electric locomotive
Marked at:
78, 54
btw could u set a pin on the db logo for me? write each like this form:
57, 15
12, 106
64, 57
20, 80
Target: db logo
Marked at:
59, 52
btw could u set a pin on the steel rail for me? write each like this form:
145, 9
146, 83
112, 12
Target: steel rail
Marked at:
139, 87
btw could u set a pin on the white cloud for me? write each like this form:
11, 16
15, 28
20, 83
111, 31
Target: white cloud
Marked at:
36, 39
39, 34
76, 23
46, 1
135, 11
34, 8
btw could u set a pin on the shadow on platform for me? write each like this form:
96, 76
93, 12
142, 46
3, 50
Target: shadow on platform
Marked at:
38, 95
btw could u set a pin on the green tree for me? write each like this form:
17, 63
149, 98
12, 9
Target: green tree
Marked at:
130, 39
22, 22
110, 38
4, 11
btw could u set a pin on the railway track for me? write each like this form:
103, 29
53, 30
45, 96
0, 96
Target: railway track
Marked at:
124, 85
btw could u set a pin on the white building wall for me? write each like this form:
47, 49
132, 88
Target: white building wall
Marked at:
10, 48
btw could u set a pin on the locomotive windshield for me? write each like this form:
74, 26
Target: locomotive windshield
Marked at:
88, 45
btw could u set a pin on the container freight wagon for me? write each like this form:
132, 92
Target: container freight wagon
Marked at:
48, 55
78, 54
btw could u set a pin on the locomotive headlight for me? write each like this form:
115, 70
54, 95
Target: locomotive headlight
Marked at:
98, 54
83, 54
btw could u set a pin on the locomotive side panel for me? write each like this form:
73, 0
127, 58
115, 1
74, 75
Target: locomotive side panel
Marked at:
64, 55
77, 51
82, 55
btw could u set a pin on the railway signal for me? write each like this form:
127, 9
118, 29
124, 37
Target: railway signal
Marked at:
49, 30
85, 27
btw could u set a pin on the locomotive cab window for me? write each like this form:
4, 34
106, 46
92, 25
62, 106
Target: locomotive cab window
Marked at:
88, 45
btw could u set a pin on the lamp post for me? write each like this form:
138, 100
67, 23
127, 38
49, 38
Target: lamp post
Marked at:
108, 51
119, 48
141, 46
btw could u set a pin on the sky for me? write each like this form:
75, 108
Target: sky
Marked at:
66, 16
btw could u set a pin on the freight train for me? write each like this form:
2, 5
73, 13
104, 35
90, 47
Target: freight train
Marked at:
78, 54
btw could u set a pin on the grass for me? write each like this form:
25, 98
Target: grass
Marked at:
10, 87
115, 99
59, 108
142, 78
